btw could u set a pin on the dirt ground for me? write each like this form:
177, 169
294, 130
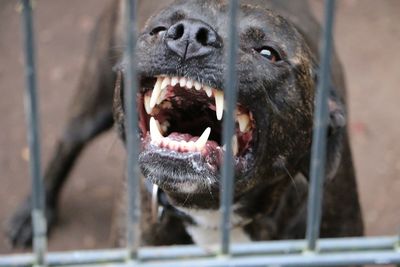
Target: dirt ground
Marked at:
367, 39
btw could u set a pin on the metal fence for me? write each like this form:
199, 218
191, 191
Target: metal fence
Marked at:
309, 252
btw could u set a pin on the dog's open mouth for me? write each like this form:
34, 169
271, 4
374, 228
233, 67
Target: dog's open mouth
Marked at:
180, 118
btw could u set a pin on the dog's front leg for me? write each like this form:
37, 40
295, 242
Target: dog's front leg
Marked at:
90, 114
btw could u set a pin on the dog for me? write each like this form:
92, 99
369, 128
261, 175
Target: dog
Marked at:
181, 65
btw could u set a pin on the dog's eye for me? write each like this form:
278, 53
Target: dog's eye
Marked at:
269, 53
158, 30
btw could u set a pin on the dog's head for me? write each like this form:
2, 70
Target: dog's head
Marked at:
181, 62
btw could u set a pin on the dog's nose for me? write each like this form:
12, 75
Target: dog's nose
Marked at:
191, 38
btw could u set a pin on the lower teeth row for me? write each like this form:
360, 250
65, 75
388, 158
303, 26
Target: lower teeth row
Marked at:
158, 139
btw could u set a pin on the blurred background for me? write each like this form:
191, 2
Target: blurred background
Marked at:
367, 40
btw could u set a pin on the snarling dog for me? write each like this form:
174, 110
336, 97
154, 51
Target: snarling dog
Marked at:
181, 63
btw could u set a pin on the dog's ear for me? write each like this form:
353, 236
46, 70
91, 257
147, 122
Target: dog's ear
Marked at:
336, 133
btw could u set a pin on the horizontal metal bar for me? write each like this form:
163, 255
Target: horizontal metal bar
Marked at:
338, 259
329, 246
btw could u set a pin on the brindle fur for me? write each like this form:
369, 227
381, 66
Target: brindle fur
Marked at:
275, 197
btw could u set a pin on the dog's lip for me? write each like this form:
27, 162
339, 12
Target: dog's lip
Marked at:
176, 172
209, 155
201, 160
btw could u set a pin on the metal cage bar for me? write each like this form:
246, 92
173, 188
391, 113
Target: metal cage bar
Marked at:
334, 251
318, 149
31, 110
131, 122
227, 174
382, 247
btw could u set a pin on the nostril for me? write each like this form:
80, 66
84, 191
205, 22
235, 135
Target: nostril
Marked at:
202, 36
180, 29
191, 38
177, 31
158, 30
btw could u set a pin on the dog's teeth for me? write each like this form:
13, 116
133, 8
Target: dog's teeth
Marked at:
235, 146
183, 144
201, 142
208, 90
175, 145
244, 122
174, 81
189, 84
156, 92
147, 104
155, 133
182, 82
164, 126
197, 86
166, 105
219, 103
191, 146
165, 82
162, 96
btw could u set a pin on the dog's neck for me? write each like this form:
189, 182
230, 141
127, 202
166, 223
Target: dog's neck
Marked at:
206, 225
203, 222
203, 225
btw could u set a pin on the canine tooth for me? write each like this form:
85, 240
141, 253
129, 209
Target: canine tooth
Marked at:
243, 121
174, 81
219, 103
156, 92
161, 97
147, 104
189, 84
165, 82
235, 146
182, 82
208, 90
201, 142
155, 133
197, 86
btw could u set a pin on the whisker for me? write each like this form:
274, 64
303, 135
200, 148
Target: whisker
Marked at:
187, 198
293, 181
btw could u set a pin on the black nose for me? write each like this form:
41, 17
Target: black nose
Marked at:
192, 38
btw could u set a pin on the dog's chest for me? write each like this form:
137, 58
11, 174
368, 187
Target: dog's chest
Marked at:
206, 230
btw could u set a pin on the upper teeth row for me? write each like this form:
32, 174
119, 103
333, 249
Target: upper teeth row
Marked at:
159, 93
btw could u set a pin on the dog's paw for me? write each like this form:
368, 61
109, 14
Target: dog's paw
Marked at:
19, 228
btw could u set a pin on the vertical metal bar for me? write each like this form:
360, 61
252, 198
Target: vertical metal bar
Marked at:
318, 155
31, 110
133, 172
228, 173
397, 246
